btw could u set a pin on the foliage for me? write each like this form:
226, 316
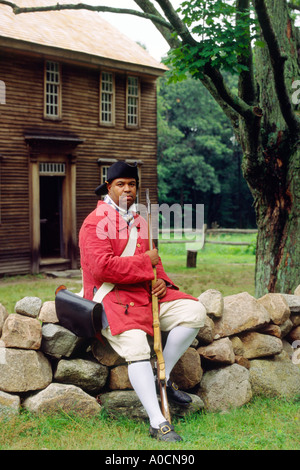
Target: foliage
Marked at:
197, 161
222, 39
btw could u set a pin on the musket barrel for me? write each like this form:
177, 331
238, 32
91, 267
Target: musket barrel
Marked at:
161, 370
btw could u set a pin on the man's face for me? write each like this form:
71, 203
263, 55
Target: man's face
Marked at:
122, 191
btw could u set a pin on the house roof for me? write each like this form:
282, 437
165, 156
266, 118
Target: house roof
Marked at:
84, 32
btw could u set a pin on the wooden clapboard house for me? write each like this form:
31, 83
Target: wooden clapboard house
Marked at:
79, 95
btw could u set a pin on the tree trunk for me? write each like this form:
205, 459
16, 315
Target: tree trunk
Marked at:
278, 243
274, 174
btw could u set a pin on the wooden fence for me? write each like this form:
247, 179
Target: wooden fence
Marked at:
202, 239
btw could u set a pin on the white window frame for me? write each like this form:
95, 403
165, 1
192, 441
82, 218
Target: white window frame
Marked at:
104, 170
52, 90
107, 98
52, 169
132, 101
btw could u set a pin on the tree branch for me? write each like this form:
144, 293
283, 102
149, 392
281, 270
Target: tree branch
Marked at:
83, 6
232, 115
238, 104
278, 64
167, 33
246, 79
292, 6
176, 22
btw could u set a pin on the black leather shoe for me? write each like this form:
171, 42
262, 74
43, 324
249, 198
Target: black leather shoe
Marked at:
177, 395
165, 432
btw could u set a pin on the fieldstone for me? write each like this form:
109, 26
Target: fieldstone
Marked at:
260, 345
275, 377
187, 373
29, 306
61, 397
297, 290
277, 307
237, 345
288, 348
242, 312
84, 373
272, 329
48, 312
23, 370
118, 378
9, 405
220, 351
222, 389
124, 403
22, 332
213, 301
105, 354
207, 332
57, 341
295, 319
3, 316
293, 302
242, 361
294, 334
286, 327
127, 403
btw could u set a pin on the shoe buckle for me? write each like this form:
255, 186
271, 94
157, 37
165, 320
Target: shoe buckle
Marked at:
165, 429
174, 386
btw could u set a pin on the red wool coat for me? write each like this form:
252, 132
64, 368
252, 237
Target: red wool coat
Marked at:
102, 239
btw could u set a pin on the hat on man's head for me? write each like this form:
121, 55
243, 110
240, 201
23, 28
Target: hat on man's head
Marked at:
119, 169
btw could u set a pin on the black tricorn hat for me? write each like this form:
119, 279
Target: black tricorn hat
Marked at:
119, 169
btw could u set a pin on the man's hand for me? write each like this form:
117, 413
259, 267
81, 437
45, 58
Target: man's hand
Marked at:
153, 256
159, 289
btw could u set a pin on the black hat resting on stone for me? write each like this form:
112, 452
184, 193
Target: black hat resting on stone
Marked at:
119, 169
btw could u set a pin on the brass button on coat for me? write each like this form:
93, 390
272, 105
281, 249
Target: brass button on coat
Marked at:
131, 304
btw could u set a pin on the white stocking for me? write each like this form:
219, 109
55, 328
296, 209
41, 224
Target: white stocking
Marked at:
142, 379
179, 339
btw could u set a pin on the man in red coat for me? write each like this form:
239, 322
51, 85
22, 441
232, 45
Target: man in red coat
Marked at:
126, 280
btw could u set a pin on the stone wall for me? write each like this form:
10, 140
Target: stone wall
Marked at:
247, 347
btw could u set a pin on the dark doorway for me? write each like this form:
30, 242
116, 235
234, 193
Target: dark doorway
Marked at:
51, 216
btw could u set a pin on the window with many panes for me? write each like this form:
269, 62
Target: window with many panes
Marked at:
133, 98
107, 98
52, 108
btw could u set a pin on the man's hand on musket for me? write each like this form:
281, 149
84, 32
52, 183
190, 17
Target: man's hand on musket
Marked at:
159, 289
153, 256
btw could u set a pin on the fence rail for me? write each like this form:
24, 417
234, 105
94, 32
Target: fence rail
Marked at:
191, 260
209, 232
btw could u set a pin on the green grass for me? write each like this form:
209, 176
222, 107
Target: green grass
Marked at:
227, 268
262, 424
14, 288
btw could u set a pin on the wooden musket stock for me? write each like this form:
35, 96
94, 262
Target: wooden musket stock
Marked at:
161, 370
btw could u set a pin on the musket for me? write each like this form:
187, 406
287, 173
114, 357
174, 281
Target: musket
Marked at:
161, 370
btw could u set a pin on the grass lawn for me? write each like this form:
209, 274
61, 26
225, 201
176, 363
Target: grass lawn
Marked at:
227, 268
262, 424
